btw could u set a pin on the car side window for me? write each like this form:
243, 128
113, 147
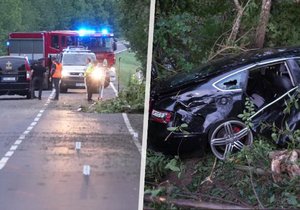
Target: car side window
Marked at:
233, 82
267, 83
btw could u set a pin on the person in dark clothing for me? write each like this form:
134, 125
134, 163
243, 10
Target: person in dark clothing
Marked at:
38, 71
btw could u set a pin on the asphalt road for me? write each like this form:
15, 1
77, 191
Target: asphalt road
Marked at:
41, 169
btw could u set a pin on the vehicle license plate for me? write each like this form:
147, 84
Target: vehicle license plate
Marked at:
9, 79
80, 85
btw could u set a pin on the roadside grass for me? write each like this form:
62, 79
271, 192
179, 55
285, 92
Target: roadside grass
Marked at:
132, 92
126, 65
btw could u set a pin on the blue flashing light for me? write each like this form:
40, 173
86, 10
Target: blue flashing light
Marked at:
104, 31
7, 43
84, 32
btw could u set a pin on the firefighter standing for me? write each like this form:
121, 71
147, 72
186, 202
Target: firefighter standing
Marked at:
88, 80
38, 71
56, 76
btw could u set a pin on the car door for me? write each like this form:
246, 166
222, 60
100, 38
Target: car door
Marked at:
276, 88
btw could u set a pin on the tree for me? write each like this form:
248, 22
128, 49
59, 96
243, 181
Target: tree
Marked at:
263, 22
133, 21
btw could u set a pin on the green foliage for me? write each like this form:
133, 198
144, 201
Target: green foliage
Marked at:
284, 25
155, 166
247, 113
127, 64
129, 19
130, 99
133, 21
176, 166
185, 32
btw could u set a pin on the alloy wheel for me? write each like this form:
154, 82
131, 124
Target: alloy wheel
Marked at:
228, 137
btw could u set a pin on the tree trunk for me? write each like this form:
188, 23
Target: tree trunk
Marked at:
263, 22
237, 22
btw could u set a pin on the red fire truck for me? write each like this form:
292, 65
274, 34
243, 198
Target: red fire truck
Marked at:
48, 44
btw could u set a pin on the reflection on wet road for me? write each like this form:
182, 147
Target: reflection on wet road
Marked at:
46, 170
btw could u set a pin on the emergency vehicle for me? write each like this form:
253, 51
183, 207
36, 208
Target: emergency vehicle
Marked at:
48, 44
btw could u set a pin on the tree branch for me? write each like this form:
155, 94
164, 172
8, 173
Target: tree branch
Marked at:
191, 203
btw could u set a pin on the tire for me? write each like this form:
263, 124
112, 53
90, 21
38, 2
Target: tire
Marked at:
228, 137
28, 95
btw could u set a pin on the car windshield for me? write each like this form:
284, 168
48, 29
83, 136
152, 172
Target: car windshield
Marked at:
74, 59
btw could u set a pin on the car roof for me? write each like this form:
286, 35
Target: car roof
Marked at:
255, 56
225, 64
14, 56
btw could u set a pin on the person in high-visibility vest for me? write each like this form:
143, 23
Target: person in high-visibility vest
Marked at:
56, 76
88, 80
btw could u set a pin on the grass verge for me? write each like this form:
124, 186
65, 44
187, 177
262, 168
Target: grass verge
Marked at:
126, 65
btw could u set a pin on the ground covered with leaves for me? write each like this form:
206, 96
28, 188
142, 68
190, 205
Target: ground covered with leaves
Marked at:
245, 180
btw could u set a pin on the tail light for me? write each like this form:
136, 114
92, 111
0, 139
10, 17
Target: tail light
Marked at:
28, 70
161, 116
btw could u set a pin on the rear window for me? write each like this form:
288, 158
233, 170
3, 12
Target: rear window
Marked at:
73, 59
9, 64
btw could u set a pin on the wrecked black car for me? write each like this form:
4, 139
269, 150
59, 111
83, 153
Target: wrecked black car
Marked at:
203, 107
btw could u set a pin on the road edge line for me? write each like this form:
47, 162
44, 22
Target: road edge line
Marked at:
133, 133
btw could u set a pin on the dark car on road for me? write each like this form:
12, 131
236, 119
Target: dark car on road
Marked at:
203, 107
15, 76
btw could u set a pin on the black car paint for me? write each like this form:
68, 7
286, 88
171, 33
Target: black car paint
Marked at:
21, 85
195, 101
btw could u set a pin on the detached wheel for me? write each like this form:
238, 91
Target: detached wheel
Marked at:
230, 136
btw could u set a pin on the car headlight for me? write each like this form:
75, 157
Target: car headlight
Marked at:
64, 73
112, 69
97, 74
105, 63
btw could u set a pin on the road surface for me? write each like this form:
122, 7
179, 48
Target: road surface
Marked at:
41, 169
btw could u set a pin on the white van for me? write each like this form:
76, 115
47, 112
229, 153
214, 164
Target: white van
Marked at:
73, 67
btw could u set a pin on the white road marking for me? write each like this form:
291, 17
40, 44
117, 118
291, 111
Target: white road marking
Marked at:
86, 170
9, 154
132, 132
78, 145
14, 147
33, 123
26, 132
18, 142
4, 160
128, 125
